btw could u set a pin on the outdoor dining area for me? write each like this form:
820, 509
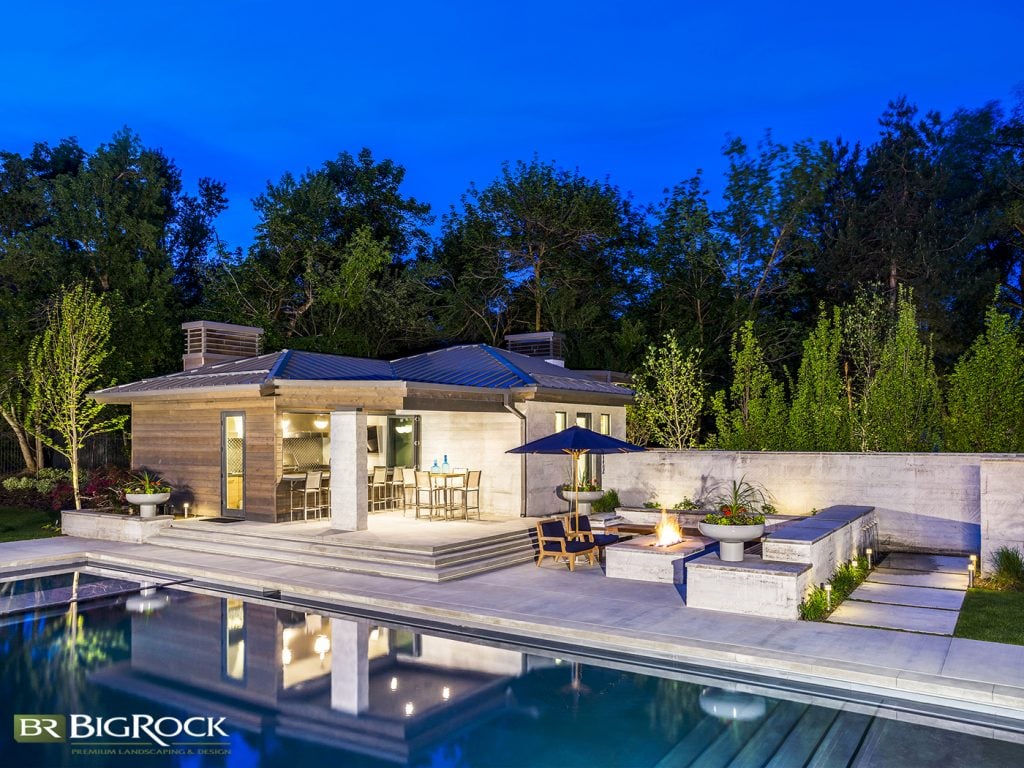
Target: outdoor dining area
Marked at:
434, 495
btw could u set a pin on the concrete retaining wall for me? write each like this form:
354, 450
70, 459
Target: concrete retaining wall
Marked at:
931, 502
89, 524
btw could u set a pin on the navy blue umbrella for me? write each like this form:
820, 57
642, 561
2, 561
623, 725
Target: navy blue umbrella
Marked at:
576, 441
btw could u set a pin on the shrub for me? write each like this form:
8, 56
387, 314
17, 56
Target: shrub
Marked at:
846, 579
607, 503
1008, 568
687, 504
43, 482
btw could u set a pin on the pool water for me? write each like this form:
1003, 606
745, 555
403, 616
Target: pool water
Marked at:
300, 688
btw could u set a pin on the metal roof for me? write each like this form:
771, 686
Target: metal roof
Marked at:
472, 365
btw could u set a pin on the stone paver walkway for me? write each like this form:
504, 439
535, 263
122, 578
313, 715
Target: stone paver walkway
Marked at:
913, 593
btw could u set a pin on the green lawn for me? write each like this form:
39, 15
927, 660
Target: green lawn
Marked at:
18, 523
992, 615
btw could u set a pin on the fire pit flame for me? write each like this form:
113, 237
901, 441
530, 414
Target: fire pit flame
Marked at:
667, 530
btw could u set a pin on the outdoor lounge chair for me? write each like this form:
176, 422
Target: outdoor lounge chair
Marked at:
581, 531
552, 541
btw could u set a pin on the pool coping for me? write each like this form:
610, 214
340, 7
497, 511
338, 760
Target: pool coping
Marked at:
673, 634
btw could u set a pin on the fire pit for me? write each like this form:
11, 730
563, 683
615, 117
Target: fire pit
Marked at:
656, 557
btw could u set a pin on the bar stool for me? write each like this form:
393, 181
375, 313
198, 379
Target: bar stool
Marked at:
311, 490
396, 488
425, 484
379, 489
471, 485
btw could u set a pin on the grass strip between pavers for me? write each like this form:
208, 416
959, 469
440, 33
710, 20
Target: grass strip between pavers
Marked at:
20, 523
993, 615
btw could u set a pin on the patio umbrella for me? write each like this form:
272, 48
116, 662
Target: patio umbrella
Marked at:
577, 441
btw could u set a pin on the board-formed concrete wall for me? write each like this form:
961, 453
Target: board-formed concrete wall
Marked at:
1002, 506
929, 502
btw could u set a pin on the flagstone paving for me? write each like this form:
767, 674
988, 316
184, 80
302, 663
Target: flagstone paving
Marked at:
909, 592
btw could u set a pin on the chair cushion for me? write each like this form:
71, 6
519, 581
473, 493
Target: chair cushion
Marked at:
552, 546
604, 539
553, 529
578, 546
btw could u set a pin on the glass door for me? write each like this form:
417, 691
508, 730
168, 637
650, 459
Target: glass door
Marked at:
404, 441
232, 470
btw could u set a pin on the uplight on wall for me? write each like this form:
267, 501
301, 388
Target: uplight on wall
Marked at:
286, 427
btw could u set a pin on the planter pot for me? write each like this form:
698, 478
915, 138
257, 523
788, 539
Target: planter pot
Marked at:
731, 538
586, 498
147, 502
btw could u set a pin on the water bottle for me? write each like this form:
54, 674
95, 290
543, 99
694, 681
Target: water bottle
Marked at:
446, 467
435, 468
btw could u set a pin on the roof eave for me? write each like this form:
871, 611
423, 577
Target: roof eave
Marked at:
127, 398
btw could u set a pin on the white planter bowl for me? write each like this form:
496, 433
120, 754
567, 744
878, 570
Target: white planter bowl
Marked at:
147, 502
731, 538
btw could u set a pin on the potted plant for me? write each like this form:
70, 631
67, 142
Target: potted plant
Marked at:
146, 491
739, 519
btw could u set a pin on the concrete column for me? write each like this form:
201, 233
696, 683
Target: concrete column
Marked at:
350, 666
348, 470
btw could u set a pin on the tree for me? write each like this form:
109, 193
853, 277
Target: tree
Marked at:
669, 397
324, 242
66, 361
818, 417
557, 241
903, 408
752, 416
985, 402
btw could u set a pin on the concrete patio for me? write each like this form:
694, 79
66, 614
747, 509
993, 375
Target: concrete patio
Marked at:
588, 614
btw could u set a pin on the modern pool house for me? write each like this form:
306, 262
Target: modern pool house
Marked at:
237, 432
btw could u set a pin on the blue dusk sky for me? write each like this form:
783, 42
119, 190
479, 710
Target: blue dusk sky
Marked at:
644, 92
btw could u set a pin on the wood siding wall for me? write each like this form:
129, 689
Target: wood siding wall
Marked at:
182, 442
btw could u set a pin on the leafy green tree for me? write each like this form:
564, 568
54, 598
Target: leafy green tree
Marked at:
669, 397
985, 402
819, 417
557, 242
903, 407
66, 362
752, 415
324, 243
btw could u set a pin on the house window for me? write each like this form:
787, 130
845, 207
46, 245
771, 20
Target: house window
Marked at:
586, 465
606, 424
560, 421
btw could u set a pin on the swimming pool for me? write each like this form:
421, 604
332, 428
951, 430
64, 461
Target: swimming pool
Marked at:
195, 679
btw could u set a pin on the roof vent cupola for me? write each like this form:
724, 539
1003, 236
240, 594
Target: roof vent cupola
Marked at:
207, 342
548, 345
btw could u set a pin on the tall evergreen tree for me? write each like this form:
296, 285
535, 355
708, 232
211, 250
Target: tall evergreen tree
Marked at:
819, 417
752, 416
903, 408
985, 403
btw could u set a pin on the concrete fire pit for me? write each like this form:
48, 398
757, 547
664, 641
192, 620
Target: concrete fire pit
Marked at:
641, 559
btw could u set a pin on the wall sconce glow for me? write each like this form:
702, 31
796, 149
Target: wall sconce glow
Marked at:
286, 655
321, 645
286, 426
394, 684
321, 422
446, 693
409, 709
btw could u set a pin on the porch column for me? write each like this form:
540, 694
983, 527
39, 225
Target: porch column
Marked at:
350, 666
348, 470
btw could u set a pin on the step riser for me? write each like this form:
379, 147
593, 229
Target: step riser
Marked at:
376, 566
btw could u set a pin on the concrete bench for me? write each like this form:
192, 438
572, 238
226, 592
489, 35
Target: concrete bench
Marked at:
797, 555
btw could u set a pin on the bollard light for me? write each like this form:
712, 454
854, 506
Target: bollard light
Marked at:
869, 552
970, 575
828, 596
185, 505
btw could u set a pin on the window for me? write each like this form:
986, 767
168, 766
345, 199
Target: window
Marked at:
606, 424
586, 465
233, 464
560, 421
403, 441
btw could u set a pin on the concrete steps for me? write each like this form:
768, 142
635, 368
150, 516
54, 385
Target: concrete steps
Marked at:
434, 563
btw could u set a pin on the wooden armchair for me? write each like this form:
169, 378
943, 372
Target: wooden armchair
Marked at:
552, 541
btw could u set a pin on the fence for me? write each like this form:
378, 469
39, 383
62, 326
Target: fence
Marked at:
112, 448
